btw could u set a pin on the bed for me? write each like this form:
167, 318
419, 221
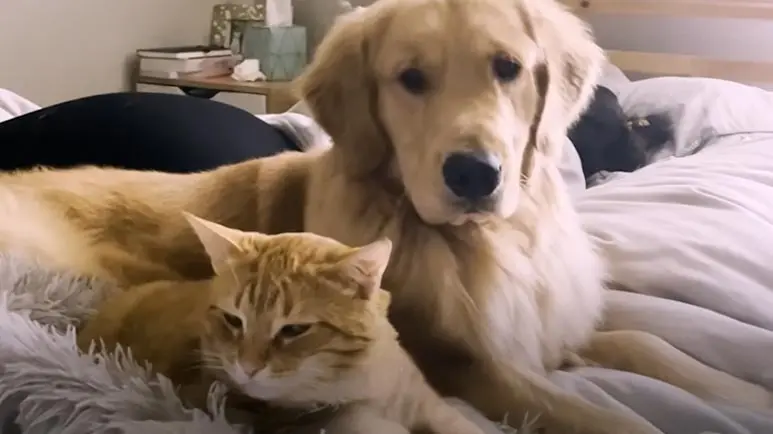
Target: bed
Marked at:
689, 237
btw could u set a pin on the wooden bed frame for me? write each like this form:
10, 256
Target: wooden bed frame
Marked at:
658, 64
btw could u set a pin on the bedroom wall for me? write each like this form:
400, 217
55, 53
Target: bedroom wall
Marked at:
318, 15
58, 50
55, 50
728, 39
732, 39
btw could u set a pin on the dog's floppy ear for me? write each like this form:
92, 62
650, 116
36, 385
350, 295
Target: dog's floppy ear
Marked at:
571, 66
341, 92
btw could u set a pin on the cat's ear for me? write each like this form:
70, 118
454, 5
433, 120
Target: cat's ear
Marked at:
219, 241
366, 265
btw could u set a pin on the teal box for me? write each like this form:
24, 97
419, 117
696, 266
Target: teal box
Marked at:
281, 50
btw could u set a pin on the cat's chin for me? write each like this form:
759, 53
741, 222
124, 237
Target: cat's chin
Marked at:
291, 403
294, 404
284, 399
263, 386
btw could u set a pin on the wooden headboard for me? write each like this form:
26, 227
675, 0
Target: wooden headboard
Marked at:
684, 64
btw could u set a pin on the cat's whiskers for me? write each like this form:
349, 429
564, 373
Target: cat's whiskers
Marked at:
196, 365
210, 360
205, 364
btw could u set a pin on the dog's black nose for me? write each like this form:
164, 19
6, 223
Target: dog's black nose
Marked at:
472, 175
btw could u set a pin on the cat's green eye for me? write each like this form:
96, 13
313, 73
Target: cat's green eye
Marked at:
290, 331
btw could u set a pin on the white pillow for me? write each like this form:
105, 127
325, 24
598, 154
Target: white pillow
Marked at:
702, 109
12, 105
613, 78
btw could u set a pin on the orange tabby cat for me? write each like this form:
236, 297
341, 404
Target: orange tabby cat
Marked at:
292, 319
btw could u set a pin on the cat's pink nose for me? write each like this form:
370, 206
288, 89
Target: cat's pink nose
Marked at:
251, 369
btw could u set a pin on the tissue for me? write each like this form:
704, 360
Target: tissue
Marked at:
248, 70
346, 6
279, 13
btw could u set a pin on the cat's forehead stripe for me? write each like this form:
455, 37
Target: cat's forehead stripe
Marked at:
264, 292
281, 276
239, 299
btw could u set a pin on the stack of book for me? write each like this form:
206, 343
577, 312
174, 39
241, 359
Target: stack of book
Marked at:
187, 62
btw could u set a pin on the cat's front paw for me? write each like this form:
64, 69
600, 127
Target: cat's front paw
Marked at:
616, 423
360, 419
598, 430
573, 361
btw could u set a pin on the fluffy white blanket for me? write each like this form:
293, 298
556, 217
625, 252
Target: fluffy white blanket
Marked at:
48, 386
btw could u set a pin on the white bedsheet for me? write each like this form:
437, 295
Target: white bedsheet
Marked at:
693, 238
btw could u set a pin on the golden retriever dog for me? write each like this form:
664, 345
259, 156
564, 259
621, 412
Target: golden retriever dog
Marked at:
448, 119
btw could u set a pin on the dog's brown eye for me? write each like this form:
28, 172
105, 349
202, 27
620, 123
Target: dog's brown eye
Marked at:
505, 68
414, 81
293, 330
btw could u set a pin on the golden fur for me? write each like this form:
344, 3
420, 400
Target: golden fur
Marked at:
295, 320
486, 302
134, 230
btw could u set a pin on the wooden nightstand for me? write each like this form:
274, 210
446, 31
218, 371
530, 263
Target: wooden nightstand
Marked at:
245, 95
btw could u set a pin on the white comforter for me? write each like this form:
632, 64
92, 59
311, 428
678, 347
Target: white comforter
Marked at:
692, 236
